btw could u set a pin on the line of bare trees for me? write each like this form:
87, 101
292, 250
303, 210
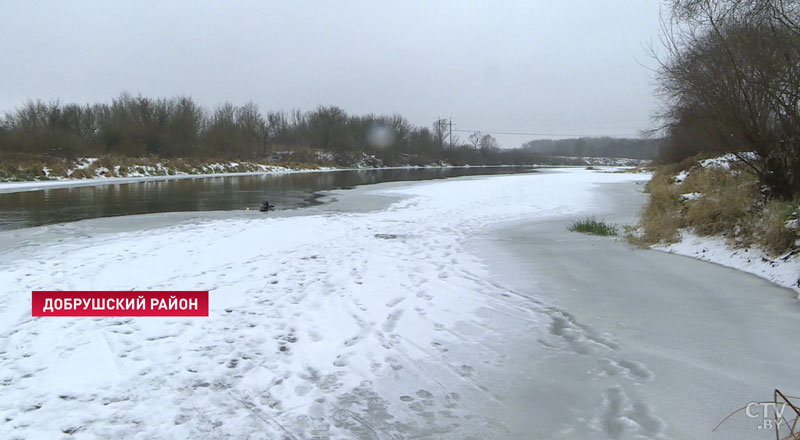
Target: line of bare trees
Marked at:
731, 83
179, 127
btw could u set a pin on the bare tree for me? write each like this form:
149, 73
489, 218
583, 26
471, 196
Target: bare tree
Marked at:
488, 143
475, 139
731, 80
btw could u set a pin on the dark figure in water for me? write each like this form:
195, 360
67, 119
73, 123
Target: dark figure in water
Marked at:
265, 206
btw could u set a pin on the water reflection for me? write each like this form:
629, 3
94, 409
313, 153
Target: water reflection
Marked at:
34, 208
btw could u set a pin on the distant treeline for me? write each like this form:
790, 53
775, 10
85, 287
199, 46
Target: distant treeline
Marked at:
179, 127
597, 147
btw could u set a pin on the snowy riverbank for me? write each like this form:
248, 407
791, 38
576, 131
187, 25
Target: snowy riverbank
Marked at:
9, 187
35, 185
700, 184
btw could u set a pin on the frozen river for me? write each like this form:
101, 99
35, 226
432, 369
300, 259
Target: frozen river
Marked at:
455, 309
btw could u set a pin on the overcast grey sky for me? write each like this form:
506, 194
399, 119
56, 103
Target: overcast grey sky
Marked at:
551, 66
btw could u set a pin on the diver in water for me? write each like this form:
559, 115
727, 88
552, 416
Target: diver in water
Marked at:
265, 206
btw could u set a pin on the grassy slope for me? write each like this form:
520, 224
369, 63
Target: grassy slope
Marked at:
716, 201
31, 168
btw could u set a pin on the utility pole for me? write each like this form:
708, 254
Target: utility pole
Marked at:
439, 128
450, 136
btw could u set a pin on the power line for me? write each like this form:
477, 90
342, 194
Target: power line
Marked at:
518, 133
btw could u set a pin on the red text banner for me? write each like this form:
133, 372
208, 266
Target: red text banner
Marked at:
119, 303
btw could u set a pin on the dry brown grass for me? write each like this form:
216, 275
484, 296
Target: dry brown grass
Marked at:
661, 217
22, 166
731, 205
25, 167
672, 169
772, 231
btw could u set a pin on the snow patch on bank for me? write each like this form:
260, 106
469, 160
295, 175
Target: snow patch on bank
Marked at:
146, 173
783, 270
603, 161
159, 169
728, 161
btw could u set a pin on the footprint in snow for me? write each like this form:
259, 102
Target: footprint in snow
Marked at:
391, 321
342, 360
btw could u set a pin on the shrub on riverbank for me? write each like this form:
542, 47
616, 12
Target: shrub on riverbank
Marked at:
22, 166
716, 197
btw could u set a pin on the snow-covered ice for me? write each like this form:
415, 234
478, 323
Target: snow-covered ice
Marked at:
640, 344
783, 270
331, 324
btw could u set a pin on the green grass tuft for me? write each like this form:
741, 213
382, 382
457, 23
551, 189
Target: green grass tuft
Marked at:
591, 225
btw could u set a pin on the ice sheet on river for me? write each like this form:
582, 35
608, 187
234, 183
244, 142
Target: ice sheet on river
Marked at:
336, 325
